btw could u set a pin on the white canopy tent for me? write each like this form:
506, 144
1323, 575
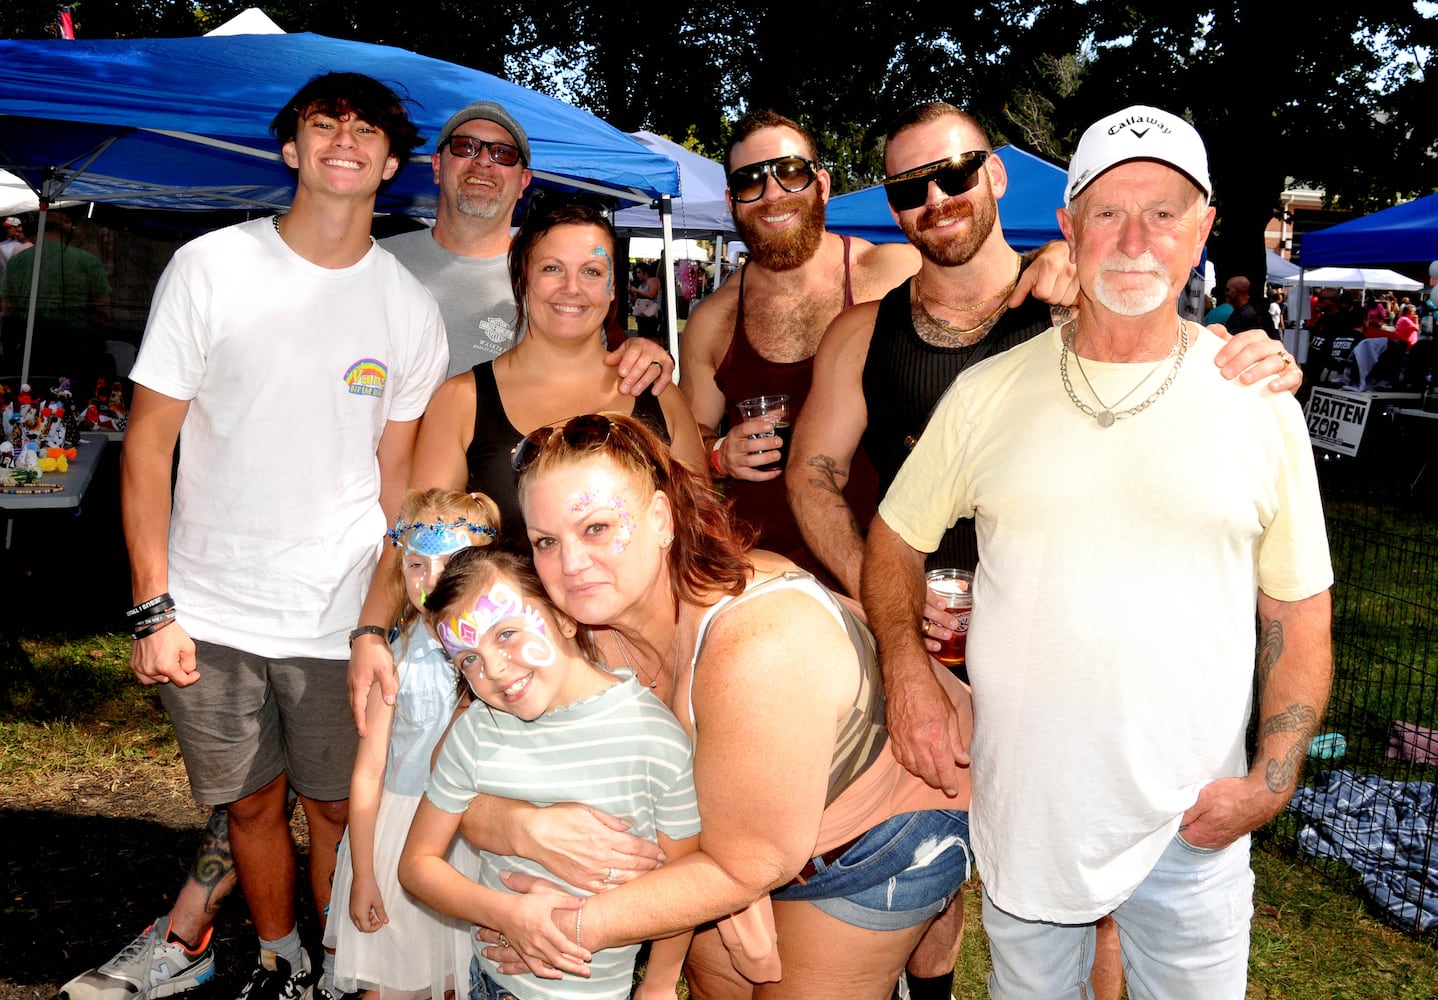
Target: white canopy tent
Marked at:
1363, 278
1279, 268
650, 247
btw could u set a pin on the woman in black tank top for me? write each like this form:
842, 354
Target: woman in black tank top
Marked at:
562, 268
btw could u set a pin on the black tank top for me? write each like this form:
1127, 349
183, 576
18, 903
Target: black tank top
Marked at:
904, 376
490, 471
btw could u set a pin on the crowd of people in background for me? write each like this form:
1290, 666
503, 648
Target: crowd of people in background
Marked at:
558, 658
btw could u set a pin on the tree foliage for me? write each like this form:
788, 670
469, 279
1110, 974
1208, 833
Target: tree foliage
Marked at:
1337, 99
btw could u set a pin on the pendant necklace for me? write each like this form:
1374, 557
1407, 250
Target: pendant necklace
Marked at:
1106, 417
649, 682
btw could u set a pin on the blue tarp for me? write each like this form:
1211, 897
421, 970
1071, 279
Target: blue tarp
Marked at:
183, 123
1026, 212
1399, 235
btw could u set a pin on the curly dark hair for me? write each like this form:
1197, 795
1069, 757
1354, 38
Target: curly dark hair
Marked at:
340, 94
710, 549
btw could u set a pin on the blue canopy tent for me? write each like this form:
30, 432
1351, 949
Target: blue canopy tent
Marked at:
1036, 189
183, 123
1401, 234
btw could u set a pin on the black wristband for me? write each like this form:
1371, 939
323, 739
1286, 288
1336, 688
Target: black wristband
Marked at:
368, 630
143, 623
164, 602
146, 632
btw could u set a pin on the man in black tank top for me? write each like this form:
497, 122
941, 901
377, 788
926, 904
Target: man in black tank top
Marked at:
907, 348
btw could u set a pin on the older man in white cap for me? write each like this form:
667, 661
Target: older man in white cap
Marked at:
1127, 536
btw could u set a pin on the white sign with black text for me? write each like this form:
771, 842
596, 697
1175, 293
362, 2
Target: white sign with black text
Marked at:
1336, 419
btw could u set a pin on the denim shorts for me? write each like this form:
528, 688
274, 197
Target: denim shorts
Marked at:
481, 987
901, 873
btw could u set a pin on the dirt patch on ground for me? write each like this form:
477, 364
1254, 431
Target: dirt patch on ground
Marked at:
89, 862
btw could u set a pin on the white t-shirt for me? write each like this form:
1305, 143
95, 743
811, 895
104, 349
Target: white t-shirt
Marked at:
1112, 641
292, 372
474, 294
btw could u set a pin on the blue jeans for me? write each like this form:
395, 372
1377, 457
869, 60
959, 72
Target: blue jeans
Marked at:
901, 873
481, 987
1183, 933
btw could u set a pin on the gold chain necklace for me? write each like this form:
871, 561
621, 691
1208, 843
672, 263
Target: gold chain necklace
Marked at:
1106, 417
959, 331
1003, 293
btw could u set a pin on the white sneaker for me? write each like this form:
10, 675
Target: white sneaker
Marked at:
148, 967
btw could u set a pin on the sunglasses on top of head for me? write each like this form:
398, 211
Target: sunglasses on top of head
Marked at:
954, 175
467, 147
792, 173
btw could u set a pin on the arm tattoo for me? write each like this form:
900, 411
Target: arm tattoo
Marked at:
829, 475
1281, 775
1270, 648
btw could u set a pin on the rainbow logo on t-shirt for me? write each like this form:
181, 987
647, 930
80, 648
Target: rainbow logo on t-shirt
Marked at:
366, 377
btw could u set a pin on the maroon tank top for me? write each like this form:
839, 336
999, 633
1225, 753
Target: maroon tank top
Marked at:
743, 374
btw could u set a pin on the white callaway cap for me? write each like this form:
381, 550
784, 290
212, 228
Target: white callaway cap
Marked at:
1138, 133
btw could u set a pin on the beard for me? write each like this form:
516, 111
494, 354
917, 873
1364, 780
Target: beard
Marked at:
479, 202
1152, 294
785, 250
951, 247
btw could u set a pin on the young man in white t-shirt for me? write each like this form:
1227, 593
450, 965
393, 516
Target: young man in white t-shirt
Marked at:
292, 328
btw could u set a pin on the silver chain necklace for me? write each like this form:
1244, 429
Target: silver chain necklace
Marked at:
1106, 417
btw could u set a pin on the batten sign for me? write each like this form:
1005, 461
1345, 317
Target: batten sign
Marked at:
1336, 420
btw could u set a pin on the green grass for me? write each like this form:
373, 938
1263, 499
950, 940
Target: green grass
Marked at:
1313, 936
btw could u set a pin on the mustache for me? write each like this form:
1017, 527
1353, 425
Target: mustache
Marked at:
1145, 263
950, 210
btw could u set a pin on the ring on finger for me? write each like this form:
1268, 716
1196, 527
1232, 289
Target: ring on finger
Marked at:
610, 876
658, 365
503, 942
927, 625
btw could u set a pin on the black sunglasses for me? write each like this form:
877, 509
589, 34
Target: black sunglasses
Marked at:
792, 173
583, 433
953, 175
467, 147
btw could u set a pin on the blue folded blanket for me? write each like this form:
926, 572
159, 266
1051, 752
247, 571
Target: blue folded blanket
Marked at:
1384, 830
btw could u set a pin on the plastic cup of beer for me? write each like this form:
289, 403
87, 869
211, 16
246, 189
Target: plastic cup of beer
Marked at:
955, 587
774, 409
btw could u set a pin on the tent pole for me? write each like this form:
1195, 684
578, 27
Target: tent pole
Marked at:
34, 290
671, 316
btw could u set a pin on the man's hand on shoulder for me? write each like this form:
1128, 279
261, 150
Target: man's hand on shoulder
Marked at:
1051, 277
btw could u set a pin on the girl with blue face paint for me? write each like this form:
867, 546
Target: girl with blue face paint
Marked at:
381, 939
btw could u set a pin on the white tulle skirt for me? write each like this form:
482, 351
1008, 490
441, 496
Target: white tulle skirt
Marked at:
419, 953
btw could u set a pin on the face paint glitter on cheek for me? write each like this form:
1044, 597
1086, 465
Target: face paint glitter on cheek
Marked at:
624, 533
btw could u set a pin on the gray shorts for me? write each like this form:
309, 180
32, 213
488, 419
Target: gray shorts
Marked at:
249, 719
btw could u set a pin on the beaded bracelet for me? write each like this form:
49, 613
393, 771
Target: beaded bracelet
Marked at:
164, 601
579, 924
